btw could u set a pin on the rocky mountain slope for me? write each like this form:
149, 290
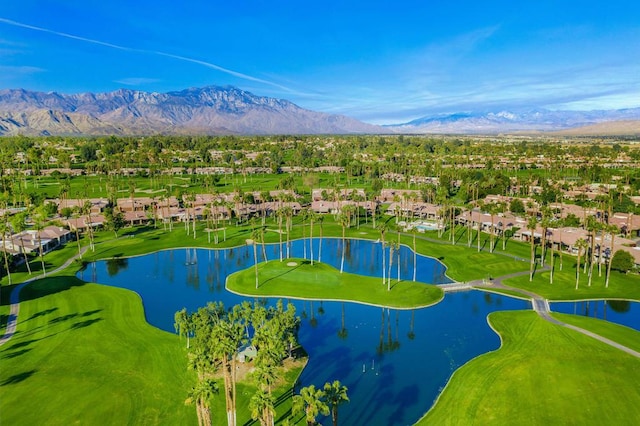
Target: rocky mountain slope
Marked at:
209, 110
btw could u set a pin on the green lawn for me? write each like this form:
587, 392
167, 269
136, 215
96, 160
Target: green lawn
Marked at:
84, 354
324, 282
543, 374
618, 333
621, 286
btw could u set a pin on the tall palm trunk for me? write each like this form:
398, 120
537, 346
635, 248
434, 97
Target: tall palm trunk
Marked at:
578, 267
24, 253
613, 236
344, 246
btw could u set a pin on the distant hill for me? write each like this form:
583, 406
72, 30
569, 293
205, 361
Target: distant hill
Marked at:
511, 122
208, 110
609, 128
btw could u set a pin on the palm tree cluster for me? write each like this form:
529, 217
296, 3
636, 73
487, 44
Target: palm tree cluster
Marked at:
313, 402
215, 338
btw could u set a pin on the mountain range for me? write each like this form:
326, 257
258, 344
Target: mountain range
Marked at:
626, 121
228, 110
209, 110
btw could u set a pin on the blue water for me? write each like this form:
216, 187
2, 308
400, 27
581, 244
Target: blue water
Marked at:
393, 362
621, 312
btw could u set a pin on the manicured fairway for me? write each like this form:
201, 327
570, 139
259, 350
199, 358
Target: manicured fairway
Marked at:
544, 374
299, 279
84, 354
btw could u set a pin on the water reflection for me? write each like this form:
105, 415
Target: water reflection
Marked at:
621, 312
394, 362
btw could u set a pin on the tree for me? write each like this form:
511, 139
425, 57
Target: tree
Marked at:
18, 223
344, 220
532, 223
254, 242
310, 402
39, 219
4, 230
581, 244
392, 247
201, 394
592, 226
183, 324
335, 394
114, 220
382, 227
613, 230
622, 261
262, 406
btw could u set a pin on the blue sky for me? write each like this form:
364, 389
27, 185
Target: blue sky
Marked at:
378, 61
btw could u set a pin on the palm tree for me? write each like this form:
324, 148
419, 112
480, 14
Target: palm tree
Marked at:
382, 227
279, 216
344, 220
550, 233
254, 241
613, 230
4, 230
414, 231
19, 225
39, 218
592, 227
531, 225
201, 394
335, 395
320, 220
310, 402
392, 246
183, 323
581, 244
545, 222
262, 405
312, 217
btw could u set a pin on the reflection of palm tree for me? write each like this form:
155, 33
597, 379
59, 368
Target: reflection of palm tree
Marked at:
411, 335
343, 332
313, 321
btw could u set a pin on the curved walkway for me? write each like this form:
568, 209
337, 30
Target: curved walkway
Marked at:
541, 306
14, 299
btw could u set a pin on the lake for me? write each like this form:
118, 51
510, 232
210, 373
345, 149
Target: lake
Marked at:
393, 362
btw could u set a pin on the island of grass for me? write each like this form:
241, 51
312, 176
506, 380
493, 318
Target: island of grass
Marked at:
299, 279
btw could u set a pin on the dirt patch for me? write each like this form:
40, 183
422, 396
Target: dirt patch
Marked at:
292, 263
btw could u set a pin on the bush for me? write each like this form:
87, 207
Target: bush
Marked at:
622, 261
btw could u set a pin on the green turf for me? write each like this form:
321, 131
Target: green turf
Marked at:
621, 286
84, 354
626, 336
543, 374
324, 282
